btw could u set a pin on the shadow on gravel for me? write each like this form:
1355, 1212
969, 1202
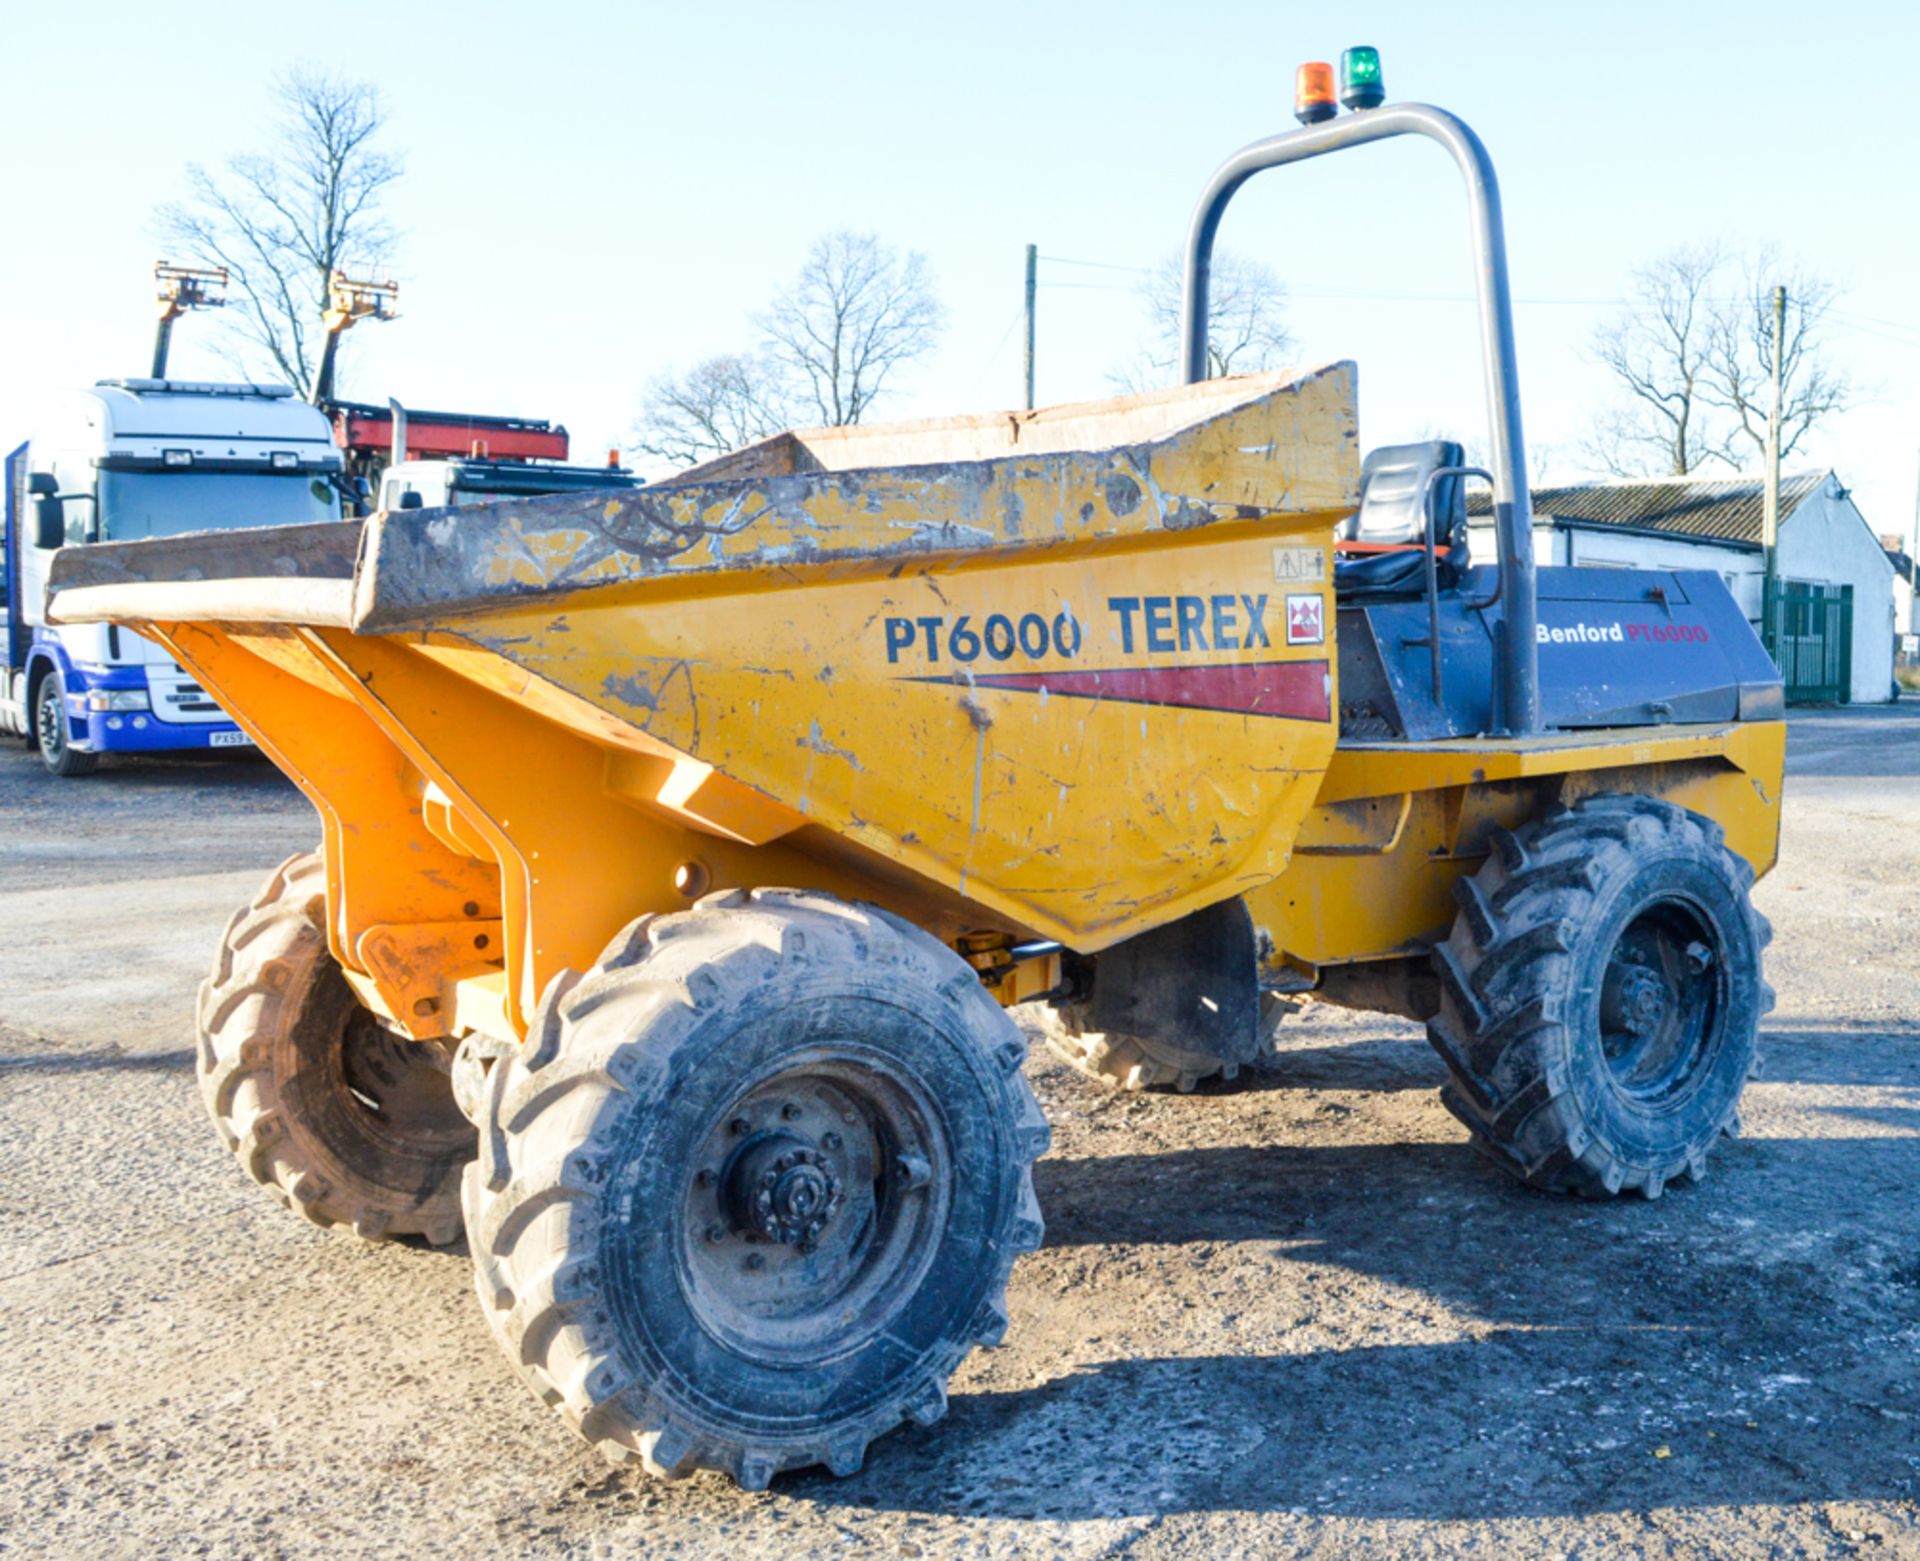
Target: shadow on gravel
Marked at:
1375, 1065
1746, 1341
1749, 1341
1565, 1422
99, 1062
1906, 1119
1883, 1055
1280, 1192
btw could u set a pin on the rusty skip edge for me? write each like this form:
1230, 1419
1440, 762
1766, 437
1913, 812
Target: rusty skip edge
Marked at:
422, 567
293, 574
416, 569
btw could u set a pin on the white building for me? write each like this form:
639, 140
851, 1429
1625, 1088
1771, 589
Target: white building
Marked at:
1906, 596
1714, 523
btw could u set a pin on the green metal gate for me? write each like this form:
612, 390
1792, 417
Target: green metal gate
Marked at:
1809, 634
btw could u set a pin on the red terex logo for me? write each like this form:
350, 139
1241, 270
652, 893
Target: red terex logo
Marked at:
1306, 620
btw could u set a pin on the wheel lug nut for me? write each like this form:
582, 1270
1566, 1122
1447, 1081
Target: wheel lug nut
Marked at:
703, 1178
789, 1111
716, 1233
756, 1262
831, 1141
738, 1126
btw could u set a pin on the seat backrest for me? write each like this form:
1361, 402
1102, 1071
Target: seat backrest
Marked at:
1393, 480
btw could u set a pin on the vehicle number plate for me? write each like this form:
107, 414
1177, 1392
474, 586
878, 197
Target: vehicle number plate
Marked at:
229, 740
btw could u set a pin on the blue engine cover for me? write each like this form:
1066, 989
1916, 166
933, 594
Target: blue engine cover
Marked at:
1617, 647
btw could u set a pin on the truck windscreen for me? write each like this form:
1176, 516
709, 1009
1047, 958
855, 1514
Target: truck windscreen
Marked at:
163, 504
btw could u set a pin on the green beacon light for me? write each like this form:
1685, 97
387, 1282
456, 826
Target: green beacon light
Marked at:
1361, 84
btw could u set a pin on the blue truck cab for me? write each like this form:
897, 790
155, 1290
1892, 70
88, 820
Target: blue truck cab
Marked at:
127, 459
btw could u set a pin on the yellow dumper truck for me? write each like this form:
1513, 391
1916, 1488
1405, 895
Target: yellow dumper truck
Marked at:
682, 849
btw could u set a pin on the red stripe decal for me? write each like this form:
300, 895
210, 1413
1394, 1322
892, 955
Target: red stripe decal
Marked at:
1294, 690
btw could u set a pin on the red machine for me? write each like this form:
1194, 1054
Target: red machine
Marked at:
366, 432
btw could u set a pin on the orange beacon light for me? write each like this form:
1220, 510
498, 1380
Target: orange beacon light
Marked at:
1313, 93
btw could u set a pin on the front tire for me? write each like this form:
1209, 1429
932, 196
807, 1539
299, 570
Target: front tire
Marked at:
51, 732
755, 1186
1600, 997
343, 1123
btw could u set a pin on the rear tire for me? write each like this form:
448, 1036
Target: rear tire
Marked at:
344, 1123
1600, 997
51, 733
753, 1189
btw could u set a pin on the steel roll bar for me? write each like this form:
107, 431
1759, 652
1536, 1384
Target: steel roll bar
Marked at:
1518, 701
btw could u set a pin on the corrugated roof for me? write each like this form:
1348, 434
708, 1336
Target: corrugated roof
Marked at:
1726, 508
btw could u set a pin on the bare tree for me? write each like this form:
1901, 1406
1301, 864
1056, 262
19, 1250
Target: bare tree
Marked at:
1694, 354
1246, 321
1660, 349
1741, 354
857, 312
281, 221
718, 405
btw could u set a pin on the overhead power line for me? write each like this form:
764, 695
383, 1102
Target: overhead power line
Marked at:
1097, 265
1322, 290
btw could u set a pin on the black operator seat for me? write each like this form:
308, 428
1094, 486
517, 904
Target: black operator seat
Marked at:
1392, 481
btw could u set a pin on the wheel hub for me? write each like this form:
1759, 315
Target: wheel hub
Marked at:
780, 1188
1660, 1002
814, 1201
1635, 1000
53, 721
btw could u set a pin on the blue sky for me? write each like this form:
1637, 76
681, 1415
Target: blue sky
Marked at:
596, 192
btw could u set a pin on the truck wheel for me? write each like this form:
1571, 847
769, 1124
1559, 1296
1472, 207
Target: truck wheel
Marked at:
50, 729
343, 1122
753, 1189
1600, 997
1134, 1062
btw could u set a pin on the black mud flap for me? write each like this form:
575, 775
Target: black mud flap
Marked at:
1193, 983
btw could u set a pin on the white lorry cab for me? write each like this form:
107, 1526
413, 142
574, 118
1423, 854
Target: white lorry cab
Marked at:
135, 458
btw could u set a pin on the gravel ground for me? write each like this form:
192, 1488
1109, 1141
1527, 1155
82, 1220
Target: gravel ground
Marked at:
1291, 1315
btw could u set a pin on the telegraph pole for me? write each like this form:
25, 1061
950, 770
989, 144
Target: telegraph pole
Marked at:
1033, 266
1913, 556
1913, 570
1770, 513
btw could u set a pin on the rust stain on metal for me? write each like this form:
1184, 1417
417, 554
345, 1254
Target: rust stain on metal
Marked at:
425, 566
